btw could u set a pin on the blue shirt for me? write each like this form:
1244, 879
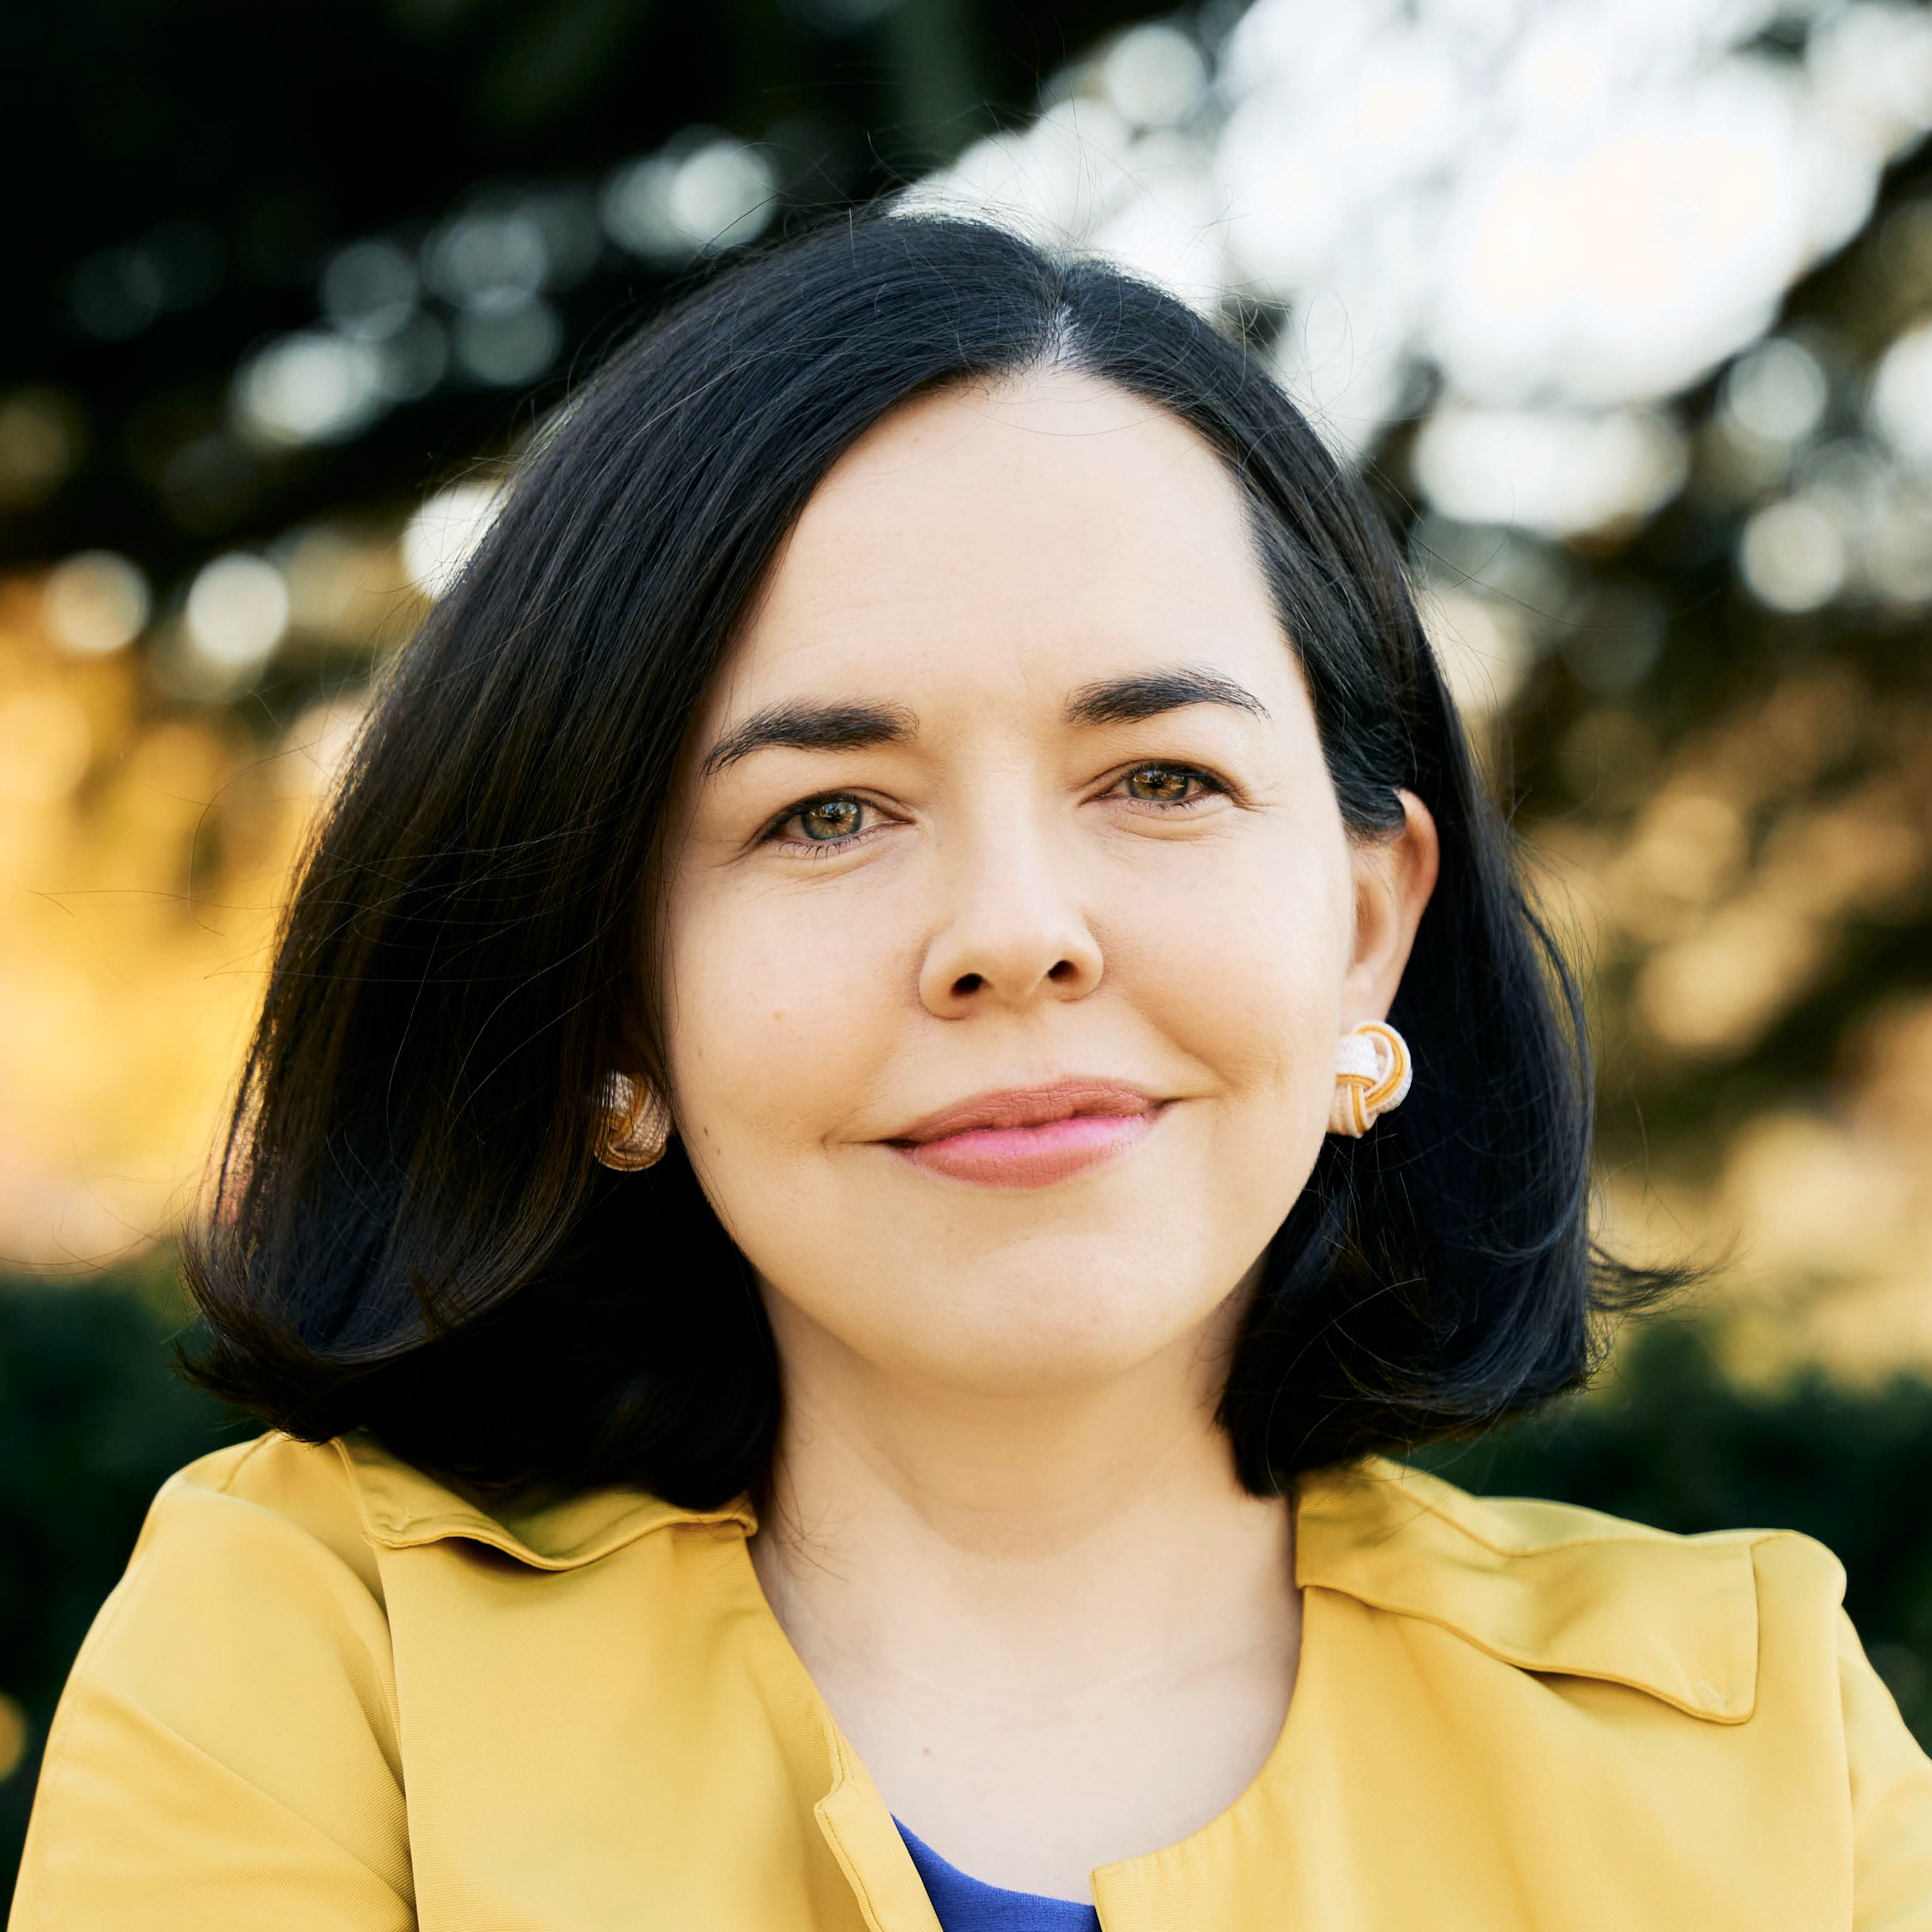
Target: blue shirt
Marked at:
963, 1904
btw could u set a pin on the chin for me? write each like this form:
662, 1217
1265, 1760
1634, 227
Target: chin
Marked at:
1035, 1333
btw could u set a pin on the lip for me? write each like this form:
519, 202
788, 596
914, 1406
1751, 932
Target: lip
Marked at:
1029, 1136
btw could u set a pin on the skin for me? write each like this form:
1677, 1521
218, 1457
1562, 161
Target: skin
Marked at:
1008, 1541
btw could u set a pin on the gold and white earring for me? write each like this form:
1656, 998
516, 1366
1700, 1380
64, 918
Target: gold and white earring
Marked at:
1372, 1072
636, 1124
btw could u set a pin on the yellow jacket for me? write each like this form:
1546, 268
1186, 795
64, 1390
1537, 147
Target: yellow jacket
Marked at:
331, 1696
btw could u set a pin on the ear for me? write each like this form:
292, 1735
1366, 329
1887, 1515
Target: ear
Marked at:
1393, 877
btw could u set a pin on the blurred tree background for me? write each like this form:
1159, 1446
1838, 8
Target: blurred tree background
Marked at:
1626, 309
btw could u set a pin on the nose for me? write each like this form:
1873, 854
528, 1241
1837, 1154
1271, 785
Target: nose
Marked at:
1013, 933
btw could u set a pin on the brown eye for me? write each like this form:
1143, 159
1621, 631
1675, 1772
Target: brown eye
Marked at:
828, 818
1161, 784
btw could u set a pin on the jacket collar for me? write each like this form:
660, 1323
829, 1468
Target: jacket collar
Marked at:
1545, 1586
1542, 1586
402, 1509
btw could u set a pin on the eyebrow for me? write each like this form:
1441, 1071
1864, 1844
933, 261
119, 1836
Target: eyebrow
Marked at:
812, 727
801, 727
1124, 700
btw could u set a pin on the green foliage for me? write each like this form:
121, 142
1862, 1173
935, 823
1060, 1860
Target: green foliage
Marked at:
92, 1421
1668, 1440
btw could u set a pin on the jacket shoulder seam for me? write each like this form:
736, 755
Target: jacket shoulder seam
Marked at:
226, 1486
1618, 1529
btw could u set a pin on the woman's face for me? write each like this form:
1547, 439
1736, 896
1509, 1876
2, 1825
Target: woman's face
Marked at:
1010, 922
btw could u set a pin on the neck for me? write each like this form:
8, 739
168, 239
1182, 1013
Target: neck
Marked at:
918, 1525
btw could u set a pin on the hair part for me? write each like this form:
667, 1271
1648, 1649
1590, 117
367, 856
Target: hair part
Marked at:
410, 1232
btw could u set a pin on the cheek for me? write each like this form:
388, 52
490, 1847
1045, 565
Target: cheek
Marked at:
777, 1019
1242, 965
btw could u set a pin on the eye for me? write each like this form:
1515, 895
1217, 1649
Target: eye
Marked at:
1169, 785
825, 821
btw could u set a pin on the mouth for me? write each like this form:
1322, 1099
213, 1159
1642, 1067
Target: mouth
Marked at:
1029, 1136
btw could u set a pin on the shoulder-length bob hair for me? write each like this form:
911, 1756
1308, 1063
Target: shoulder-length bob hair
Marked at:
410, 1232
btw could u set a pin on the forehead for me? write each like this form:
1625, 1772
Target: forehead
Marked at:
1050, 530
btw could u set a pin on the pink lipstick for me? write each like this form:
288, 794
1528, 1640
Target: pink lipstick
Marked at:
1030, 1136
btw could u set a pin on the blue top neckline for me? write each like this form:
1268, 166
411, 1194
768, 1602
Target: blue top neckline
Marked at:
965, 1904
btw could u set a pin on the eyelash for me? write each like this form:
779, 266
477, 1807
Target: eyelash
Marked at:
813, 850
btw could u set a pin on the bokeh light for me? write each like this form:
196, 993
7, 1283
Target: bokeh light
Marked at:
1544, 209
369, 289
1557, 472
1793, 557
95, 602
1154, 76
312, 387
510, 344
1901, 397
706, 192
116, 294
237, 611
42, 436
1776, 392
486, 258
439, 539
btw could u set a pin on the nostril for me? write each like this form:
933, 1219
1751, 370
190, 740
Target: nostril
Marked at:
1063, 969
967, 982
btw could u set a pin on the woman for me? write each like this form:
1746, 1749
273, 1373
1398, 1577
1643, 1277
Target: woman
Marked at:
907, 1053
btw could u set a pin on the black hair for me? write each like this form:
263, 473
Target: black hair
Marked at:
410, 1233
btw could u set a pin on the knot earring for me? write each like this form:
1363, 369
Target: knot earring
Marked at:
1372, 1073
636, 1124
